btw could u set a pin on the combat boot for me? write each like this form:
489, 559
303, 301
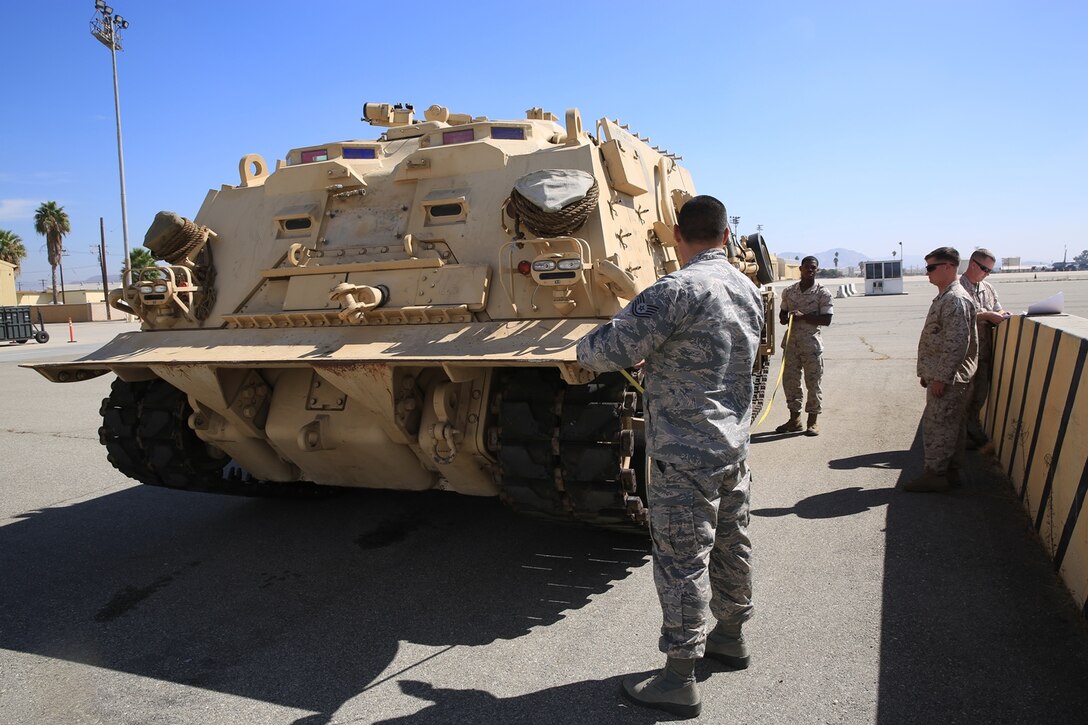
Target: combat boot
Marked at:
812, 429
793, 425
928, 482
725, 644
673, 689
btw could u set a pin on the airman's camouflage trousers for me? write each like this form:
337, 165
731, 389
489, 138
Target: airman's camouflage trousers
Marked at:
944, 427
806, 356
702, 553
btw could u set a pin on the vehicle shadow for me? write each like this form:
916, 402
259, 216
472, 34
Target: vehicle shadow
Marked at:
301, 604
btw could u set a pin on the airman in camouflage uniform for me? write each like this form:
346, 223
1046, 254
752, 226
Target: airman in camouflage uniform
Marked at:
988, 317
809, 305
697, 330
947, 357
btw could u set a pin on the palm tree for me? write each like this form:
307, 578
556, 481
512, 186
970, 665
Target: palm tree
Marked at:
11, 248
139, 258
52, 223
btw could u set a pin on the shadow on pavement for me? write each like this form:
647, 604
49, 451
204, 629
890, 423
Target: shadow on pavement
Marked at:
896, 460
301, 604
590, 701
772, 435
844, 502
976, 625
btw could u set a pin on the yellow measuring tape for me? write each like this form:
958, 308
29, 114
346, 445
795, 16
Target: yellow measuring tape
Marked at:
632, 381
778, 383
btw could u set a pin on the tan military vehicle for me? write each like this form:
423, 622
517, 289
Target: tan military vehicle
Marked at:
402, 313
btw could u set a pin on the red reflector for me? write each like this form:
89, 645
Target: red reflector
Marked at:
525, 267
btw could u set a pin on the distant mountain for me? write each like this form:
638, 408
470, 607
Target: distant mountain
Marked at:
97, 279
92, 282
848, 258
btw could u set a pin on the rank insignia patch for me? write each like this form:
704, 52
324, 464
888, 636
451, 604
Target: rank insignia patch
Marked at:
642, 308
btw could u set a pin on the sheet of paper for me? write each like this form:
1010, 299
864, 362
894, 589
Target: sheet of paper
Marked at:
1052, 305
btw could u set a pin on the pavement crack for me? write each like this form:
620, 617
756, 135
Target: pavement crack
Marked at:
879, 355
73, 436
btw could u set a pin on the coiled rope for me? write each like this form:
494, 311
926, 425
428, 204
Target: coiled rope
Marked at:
175, 248
561, 223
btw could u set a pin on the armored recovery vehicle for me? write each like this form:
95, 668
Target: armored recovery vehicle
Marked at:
402, 313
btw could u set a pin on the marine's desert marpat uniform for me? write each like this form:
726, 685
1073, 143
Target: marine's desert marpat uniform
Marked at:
985, 298
947, 353
805, 349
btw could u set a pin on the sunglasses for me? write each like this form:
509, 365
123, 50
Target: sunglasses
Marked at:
931, 267
985, 269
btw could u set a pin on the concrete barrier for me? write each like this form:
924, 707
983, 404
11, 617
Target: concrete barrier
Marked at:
1037, 416
846, 290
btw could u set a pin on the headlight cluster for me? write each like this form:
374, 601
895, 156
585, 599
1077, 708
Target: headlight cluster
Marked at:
547, 265
147, 289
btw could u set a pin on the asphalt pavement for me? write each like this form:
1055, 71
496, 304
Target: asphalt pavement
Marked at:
127, 604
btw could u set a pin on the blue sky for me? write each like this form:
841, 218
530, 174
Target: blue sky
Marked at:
837, 124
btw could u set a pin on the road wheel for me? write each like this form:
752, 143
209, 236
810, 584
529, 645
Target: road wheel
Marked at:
759, 387
145, 428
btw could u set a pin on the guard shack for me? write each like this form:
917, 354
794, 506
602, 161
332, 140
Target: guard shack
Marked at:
884, 277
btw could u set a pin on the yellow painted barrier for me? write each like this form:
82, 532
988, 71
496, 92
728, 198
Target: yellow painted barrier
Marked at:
1037, 417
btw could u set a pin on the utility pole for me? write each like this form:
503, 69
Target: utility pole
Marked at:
102, 258
60, 264
107, 29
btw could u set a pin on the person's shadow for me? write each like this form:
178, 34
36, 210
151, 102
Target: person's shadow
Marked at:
894, 460
596, 701
832, 504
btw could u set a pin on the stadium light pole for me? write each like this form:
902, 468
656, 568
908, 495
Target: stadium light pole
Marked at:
106, 28
735, 221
